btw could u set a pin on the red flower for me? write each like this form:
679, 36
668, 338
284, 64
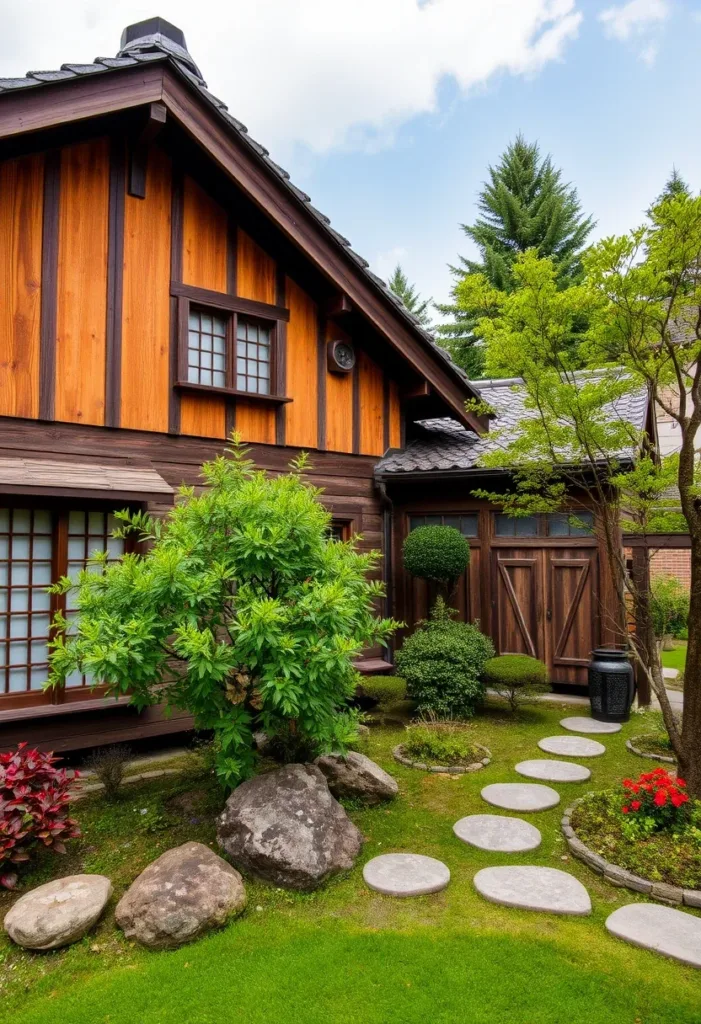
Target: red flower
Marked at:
660, 798
625, 809
635, 804
679, 798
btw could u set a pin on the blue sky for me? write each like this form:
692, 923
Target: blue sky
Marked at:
388, 111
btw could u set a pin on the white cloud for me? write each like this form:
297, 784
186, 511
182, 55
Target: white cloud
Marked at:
345, 73
637, 19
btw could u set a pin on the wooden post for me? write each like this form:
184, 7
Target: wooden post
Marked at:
641, 577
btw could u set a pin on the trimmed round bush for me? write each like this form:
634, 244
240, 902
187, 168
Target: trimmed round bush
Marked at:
387, 691
517, 678
436, 553
442, 663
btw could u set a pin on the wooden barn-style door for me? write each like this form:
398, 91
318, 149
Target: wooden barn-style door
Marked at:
545, 604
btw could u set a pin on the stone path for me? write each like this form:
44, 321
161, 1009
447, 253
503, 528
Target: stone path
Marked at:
520, 796
579, 723
534, 888
405, 874
553, 771
572, 746
497, 832
666, 930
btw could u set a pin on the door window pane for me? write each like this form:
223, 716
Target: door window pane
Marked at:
512, 526
574, 524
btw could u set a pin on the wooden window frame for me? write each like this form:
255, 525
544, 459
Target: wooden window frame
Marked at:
343, 523
229, 307
473, 513
59, 512
543, 532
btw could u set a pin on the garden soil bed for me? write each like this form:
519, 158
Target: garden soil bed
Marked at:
456, 769
655, 866
648, 745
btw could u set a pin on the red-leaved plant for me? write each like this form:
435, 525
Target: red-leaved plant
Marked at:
656, 795
33, 808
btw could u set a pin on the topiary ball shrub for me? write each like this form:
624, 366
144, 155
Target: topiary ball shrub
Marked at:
387, 692
442, 663
516, 677
436, 553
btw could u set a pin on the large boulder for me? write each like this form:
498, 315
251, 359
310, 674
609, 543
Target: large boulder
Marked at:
59, 912
182, 894
355, 777
286, 827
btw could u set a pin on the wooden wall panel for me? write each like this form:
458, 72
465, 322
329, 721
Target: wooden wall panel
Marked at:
146, 307
339, 401
82, 282
256, 279
21, 202
302, 358
205, 266
371, 406
395, 416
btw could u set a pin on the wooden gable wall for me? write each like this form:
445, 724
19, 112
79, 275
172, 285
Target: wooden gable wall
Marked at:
87, 331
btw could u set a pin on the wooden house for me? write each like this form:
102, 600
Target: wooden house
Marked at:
163, 282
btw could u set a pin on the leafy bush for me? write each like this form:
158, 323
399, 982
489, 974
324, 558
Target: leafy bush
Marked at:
670, 607
33, 808
440, 743
436, 553
516, 677
387, 691
442, 663
655, 802
241, 611
108, 764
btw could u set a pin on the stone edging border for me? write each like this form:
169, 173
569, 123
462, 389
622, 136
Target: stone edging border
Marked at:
443, 769
79, 792
630, 744
672, 895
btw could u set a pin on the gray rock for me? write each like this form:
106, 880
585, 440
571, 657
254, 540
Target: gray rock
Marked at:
287, 828
667, 893
553, 771
692, 898
668, 931
572, 746
356, 777
580, 723
59, 912
520, 796
534, 888
178, 897
497, 832
406, 874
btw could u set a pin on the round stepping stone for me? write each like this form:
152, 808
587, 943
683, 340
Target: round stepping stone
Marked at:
405, 874
666, 930
497, 832
553, 771
579, 723
572, 746
520, 796
534, 888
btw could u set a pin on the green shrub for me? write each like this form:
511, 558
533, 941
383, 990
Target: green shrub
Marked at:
240, 611
108, 764
442, 663
387, 691
441, 743
438, 553
516, 677
670, 607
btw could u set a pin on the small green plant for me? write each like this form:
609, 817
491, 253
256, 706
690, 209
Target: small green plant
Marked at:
108, 764
442, 663
670, 607
438, 553
387, 691
440, 743
517, 678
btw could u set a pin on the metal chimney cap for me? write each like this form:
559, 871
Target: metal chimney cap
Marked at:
152, 27
156, 35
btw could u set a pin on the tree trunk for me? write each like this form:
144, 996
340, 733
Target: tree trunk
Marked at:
690, 753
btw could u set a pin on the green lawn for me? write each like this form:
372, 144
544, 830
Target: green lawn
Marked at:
349, 955
675, 658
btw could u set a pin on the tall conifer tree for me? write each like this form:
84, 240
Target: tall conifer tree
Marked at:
399, 284
525, 204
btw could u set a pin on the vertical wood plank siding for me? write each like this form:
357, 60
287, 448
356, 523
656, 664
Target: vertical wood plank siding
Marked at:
21, 205
205, 265
232, 260
145, 326
321, 376
395, 416
176, 274
115, 283
82, 269
49, 284
302, 413
339, 400
371, 406
256, 279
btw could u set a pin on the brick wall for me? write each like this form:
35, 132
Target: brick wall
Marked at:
672, 562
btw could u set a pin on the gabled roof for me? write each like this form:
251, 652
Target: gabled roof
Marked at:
156, 42
444, 446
